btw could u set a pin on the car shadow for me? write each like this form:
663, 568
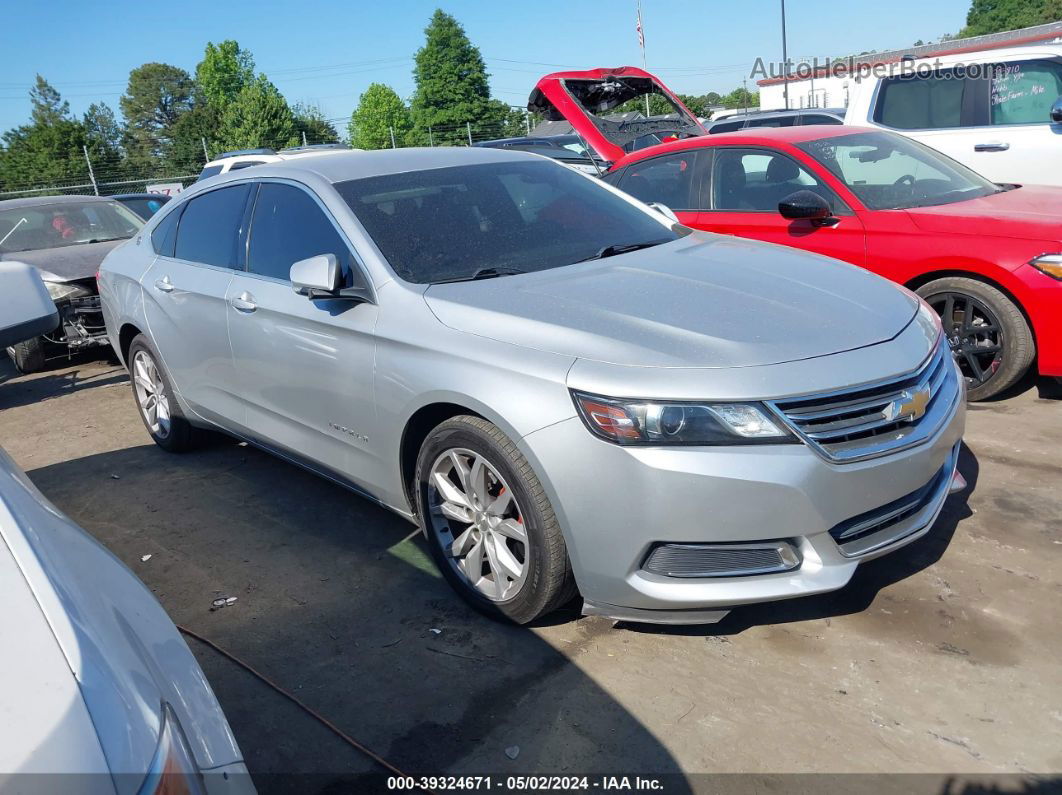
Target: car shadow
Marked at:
859, 594
338, 602
22, 390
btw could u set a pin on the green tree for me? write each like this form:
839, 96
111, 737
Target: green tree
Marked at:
102, 130
742, 98
996, 16
258, 116
184, 151
451, 84
156, 97
379, 111
47, 107
311, 123
223, 72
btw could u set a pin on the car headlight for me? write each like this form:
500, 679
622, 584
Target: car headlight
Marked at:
1050, 264
173, 770
633, 422
58, 288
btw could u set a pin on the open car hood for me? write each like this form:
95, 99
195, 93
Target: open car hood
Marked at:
585, 100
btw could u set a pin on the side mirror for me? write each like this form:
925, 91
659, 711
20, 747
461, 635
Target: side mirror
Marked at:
1056, 111
26, 309
804, 205
665, 211
319, 278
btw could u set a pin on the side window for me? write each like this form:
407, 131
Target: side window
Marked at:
921, 103
1024, 91
726, 126
819, 118
164, 235
753, 180
773, 121
668, 180
287, 226
210, 227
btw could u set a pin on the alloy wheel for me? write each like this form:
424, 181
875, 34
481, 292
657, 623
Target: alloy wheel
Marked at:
478, 523
974, 335
151, 394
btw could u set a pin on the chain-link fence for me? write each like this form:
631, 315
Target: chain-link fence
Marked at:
133, 170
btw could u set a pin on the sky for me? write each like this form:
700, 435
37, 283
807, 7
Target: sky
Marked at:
327, 53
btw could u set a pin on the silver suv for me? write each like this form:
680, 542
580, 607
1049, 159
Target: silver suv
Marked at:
567, 392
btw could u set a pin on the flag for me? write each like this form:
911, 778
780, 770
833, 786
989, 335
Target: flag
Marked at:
641, 35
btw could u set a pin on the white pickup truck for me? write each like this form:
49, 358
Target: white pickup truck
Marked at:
998, 112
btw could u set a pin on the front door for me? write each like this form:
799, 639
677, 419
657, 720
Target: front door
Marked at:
184, 301
742, 197
305, 367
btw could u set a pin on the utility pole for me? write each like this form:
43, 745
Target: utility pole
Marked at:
92, 176
304, 137
206, 155
745, 96
392, 129
469, 125
641, 44
785, 61
431, 140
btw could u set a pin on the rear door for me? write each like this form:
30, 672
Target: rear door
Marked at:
184, 299
742, 195
305, 367
673, 180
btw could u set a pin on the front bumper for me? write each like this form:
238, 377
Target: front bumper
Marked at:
619, 503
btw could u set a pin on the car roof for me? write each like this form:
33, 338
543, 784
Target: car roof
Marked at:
40, 201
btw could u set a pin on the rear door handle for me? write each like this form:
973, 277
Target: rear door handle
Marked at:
164, 285
992, 146
244, 302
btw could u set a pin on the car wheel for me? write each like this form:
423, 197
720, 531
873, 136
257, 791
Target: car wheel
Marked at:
155, 400
987, 332
489, 524
28, 356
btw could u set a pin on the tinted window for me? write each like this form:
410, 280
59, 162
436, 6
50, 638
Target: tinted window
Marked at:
209, 171
886, 170
1023, 92
916, 103
164, 235
818, 118
753, 180
668, 180
773, 121
210, 227
287, 226
245, 164
449, 223
726, 126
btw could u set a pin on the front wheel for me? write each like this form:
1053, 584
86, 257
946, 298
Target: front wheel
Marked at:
28, 356
490, 527
988, 335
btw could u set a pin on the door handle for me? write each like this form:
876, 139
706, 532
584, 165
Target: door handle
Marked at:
992, 146
244, 302
164, 285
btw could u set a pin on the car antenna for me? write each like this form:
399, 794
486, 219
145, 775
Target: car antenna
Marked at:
590, 153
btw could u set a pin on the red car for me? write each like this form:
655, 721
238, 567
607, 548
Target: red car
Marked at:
987, 257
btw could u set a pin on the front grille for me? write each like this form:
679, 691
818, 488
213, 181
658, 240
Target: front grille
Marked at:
854, 424
721, 560
898, 519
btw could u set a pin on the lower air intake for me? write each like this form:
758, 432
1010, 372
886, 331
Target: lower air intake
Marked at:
722, 560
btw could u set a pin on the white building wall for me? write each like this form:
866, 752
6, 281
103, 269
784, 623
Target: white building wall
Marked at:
824, 92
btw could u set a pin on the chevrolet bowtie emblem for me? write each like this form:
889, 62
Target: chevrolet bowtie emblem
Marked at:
911, 404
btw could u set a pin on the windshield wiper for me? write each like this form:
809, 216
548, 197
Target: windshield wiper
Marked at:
482, 273
622, 248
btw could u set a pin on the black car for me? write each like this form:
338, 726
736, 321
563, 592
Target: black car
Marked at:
143, 204
66, 239
567, 149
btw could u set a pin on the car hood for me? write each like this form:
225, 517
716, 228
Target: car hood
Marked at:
68, 262
580, 98
1030, 212
702, 301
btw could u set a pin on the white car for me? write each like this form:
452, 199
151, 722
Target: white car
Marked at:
998, 112
245, 158
98, 691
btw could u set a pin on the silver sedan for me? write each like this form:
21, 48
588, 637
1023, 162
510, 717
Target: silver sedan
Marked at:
568, 392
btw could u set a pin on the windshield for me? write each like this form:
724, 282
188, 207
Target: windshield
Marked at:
455, 223
888, 171
44, 226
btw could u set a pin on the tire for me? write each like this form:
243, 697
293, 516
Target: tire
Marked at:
174, 434
512, 491
995, 349
28, 356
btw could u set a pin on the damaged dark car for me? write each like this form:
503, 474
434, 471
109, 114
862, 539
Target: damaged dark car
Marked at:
66, 239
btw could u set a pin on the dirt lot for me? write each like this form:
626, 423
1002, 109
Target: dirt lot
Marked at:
943, 658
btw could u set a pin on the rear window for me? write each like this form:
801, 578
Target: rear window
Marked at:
209, 171
773, 121
921, 103
446, 224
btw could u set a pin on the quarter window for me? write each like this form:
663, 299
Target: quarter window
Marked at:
287, 226
1023, 92
668, 180
210, 227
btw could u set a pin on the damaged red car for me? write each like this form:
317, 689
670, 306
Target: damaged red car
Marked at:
986, 256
